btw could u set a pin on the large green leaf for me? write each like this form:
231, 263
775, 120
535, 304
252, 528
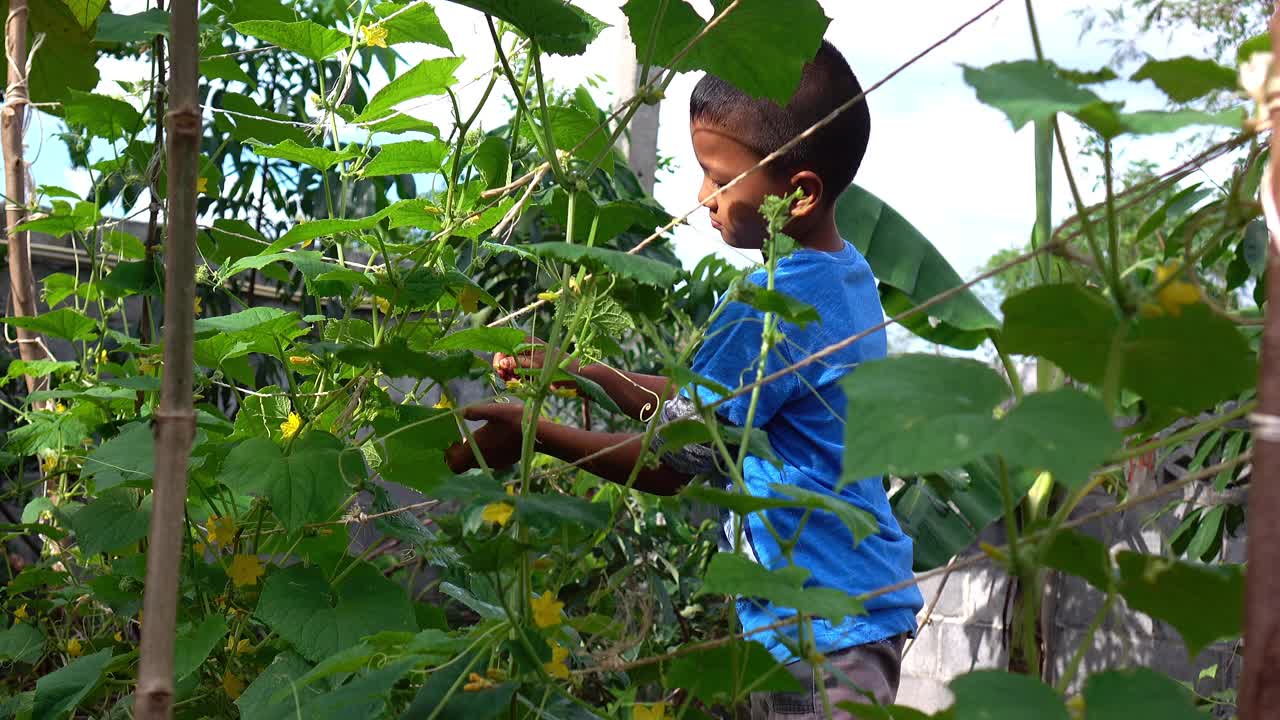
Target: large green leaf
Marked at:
59, 692
320, 620
317, 157
102, 116
1178, 593
784, 306
1187, 78
1064, 431
429, 77
136, 28
308, 39
403, 158
252, 122
1184, 363
861, 524
397, 359
1000, 695
111, 521
573, 130
760, 46
615, 262
558, 27
482, 339
726, 673
193, 644
1027, 91
1138, 694
305, 486
1111, 123
256, 703
23, 642
415, 438
903, 259
129, 457
438, 699
67, 59
85, 11
918, 413
412, 22
64, 322
733, 574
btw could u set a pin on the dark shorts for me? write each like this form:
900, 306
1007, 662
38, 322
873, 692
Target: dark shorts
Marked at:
873, 668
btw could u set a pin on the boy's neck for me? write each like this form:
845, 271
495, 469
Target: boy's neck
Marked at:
822, 235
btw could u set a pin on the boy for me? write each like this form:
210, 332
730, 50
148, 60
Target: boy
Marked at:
802, 412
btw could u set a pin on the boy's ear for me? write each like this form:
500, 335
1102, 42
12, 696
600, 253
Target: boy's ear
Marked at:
811, 185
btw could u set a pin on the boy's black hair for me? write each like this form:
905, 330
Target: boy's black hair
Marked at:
834, 152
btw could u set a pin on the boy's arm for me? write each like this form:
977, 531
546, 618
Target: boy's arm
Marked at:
570, 444
638, 395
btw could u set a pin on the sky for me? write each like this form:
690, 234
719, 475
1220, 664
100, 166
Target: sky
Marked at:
952, 166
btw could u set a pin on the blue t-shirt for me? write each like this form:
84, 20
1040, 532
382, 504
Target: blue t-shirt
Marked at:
803, 414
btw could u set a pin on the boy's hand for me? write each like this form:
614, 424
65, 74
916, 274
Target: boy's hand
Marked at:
498, 441
506, 366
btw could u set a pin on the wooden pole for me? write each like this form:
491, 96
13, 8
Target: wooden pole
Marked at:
22, 287
175, 418
1260, 687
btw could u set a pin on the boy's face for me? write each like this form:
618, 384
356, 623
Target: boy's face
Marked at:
735, 213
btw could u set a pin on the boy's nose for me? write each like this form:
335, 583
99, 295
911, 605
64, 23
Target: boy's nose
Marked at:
704, 196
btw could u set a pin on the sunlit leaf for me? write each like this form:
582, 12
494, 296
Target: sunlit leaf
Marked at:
1187, 78
308, 39
557, 27
429, 77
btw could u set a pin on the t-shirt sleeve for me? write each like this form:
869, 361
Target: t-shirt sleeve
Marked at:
729, 356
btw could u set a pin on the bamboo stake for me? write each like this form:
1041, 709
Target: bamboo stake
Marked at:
1260, 687
175, 418
22, 287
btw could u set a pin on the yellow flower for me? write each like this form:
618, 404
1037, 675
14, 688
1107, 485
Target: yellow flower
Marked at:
514, 384
291, 426
374, 35
202, 185
49, 463
232, 685
239, 648
649, 711
499, 513
1176, 294
444, 403
245, 570
511, 489
565, 392
198, 305
199, 548
59, 408
546, 610
559, 666
146, 364
301, 360
549, 296
221, 530
102, 357
74, 649
118, 637
476, 682
469, 299
21, 612
383, 304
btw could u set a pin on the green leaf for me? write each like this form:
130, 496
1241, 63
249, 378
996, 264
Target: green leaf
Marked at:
67, 57
1000, 695
482, 339
1082, 556
312, 41
918, 413
256, 701
733, 574
1255, 44
319, 620
557, 27
403, 158
1187, 78
22, 643
554, 512
1107, 119
429, 77
398, 122
39, 368
364, 696
252, 122
260, 319
316, 157
417, 23
397, 359
902, 258
602, 260
193, 645
727, 673
1027, 91
305, 486
60, 692
65, 323
1064, 431
1138, 693
111, 521
85, 11
102, 116
574, 130
786, 307
415, 440
438, 699
1067, 324
137, 28
778, 39
225, 68
1178, 592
